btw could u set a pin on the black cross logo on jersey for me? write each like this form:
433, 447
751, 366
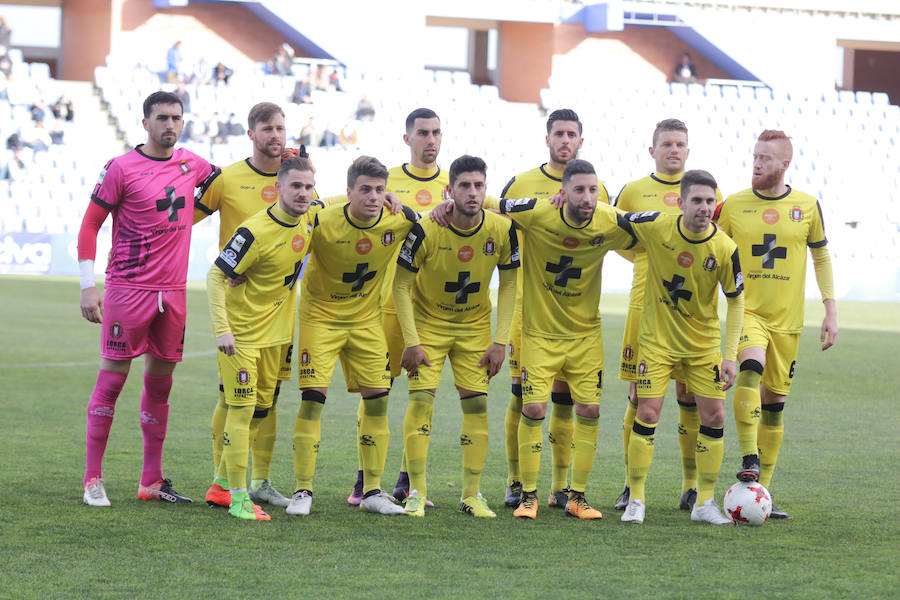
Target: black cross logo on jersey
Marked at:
675, 291
462, 288
769, 251
359, 277
170, 203
291, 279
564, 270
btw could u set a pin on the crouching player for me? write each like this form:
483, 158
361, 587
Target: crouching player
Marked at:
442, 295
688, 258
252, 321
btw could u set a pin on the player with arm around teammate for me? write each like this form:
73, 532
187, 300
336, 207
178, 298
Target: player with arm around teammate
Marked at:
148, 191
688, 259
773, 224
442, 295
266, 252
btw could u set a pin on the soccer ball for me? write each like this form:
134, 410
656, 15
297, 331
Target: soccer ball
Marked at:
748, 503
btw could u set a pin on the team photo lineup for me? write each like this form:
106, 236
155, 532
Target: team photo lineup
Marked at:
394, 276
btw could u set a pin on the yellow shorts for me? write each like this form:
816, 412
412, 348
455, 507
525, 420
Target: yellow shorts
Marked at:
284, 368
701, 373
628, 363
393, 335
363, 354
250, 375
514, 351
781, 352
579, 362
464, 351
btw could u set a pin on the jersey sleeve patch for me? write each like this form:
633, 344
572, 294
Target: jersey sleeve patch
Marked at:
410, 214
107, 192
410, 247
738, 275
234, 251
509, 205
514, 261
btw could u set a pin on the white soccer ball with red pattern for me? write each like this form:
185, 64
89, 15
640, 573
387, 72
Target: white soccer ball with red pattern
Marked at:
748, 503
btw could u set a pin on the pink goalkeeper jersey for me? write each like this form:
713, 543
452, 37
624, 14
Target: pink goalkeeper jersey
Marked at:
152, 204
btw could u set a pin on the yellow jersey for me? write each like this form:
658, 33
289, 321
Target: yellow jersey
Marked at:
681, 315
452, 289
561, 291
268, 248
772, 235
342, 284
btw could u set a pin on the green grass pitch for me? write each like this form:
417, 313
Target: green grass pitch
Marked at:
837, 475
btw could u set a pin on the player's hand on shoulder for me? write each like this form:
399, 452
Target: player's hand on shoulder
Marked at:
412, 357
91, 305
493, 358
236, 281
442, 213
392, 203
729, 374
557, 199
225, 344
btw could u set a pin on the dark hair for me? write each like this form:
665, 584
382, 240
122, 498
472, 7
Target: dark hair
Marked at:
294, 163
669, 125
697, 177
466, 164
419, 113
577, 166
160, 97
368, 166
563, 114
262, 112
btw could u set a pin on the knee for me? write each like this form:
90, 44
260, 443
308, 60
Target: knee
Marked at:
534, 411
588, 411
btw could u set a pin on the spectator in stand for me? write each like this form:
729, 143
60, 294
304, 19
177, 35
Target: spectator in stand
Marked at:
233, 128
54, 127
202, 73
5, 35
221, 74
329, 137
685, 71
184, 96
37, 137
334, 81
195, 130
39, 108
284, 60
321, 81
309, 136
5, 65
17, 169
348, 136
63, 108
365, 110
302, 92
174, 62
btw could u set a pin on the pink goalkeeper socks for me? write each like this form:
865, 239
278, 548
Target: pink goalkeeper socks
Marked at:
154, 420
101, 409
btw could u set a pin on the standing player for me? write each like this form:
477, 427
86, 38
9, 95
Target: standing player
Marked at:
772, 225
688, 259
267, 250
444, 307
563, 141
420, 185
242, 190
351, 251
658, 191
561, 330
148, 191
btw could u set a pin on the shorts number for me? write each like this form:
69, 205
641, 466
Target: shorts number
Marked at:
599, 380
290, 353
791, 372
716, 373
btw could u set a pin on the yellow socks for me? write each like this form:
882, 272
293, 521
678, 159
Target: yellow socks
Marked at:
513, 413
710, 449
688, 425
771, 432
585, 440
235, 445
559, 433
473, 438
747, 406
416, 437
307, 435
530, 446
374, 436
218, 426
640, 455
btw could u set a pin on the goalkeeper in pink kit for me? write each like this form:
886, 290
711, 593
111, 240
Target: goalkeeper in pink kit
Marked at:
150, 192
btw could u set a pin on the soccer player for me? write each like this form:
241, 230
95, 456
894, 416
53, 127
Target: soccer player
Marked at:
148, 191
688, 258
240, 191
564, 139
351, 251
772, 224
266, 253
443, 303
561, 329
420, 185
658, 191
